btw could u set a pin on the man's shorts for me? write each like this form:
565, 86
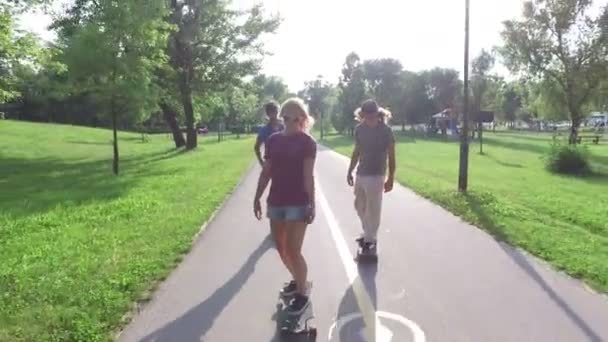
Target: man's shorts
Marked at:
287, 213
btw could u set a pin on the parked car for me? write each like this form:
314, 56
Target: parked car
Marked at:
598, 119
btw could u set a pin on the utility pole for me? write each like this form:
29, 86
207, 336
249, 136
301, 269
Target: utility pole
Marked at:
463, 173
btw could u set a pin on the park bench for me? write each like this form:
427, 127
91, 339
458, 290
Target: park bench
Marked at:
593, 138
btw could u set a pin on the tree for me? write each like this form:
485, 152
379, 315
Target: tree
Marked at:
492, 99
316, 94
510, 102
558, 40
383, 78
414, 105
126, 41
544, 100
267, 88
352, 92
270, 88
7, 88
169, 103
599, 100
332, 103
18, 6
18, 53
213, 48
443, 87
241, 106
481, 67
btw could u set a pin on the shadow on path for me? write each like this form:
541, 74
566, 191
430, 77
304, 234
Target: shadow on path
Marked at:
195, 323
353, 330
522, 261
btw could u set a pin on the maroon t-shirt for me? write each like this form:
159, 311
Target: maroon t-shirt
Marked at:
287, 154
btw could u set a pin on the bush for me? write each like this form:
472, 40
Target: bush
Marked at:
568, 159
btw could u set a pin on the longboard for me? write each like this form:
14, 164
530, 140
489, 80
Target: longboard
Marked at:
363, 255
302, 324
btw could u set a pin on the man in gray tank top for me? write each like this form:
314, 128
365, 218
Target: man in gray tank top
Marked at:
374, 144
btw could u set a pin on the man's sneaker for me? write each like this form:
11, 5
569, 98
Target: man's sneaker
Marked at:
359, 240
289, 289
365, 245
298, 305
369, 247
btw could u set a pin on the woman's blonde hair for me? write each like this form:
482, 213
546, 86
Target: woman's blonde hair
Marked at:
384, 115
296, 103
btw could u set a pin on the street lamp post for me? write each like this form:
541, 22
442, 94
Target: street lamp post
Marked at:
464, 138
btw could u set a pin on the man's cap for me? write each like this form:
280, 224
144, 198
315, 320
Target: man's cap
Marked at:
369, 107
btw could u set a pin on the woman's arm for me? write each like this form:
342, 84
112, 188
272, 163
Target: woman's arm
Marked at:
309, 186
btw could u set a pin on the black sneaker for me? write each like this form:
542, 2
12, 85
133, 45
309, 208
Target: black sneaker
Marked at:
298, 305
369, 247
359, 240
289, 289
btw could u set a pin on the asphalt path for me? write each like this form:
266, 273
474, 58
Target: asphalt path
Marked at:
437, 279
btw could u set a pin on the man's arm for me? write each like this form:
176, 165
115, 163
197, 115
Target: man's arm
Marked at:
256, 149
354, 159
263, 180
388, 186
391, 161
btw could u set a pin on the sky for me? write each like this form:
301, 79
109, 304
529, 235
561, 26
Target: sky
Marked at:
316, 35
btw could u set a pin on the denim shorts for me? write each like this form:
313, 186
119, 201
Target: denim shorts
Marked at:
287, 213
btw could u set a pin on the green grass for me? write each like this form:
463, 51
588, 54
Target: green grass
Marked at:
563, 220
79, 245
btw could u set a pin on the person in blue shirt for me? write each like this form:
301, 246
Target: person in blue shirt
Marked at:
274, 125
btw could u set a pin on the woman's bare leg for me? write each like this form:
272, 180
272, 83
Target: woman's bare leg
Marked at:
279, 233
295, 238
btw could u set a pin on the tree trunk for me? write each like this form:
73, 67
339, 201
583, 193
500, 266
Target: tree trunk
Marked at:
186, 96
574, 131
576, 122
480, 138
219, 131
170, 117
115, 143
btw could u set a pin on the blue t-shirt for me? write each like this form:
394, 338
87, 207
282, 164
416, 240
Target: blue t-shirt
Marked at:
266, 131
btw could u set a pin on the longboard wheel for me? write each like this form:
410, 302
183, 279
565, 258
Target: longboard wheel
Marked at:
364, 257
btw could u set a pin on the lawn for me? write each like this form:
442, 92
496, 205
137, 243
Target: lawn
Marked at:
79, 245
563, 220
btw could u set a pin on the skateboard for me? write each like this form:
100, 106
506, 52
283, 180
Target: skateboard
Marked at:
366, 254
301, 324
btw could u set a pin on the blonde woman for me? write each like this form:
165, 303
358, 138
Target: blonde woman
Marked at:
374, 144
289, 162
